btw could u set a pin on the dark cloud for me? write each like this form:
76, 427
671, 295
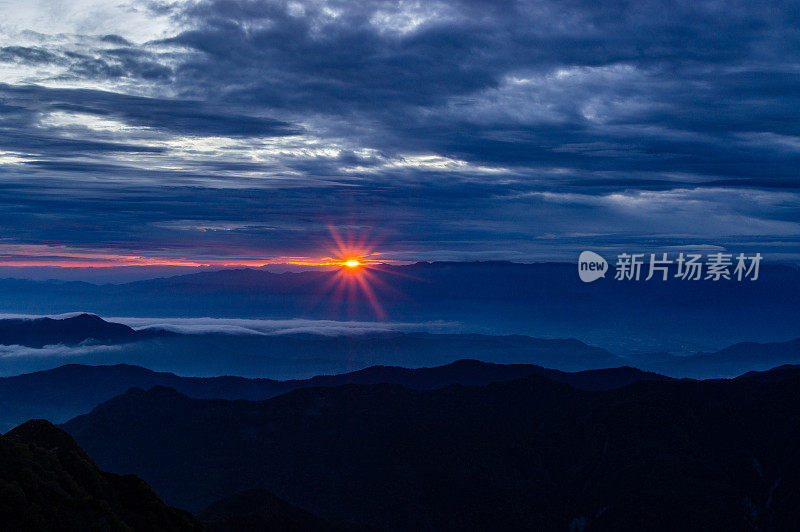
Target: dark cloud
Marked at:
27, 55
700, 71
451, 127
116, 39
176, 116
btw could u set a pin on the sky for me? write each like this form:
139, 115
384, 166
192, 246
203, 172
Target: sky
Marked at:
172, 134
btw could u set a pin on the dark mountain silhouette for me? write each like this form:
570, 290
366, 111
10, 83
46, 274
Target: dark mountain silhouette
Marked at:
262, 511
477, 373
67, 391
538, 300
528, 454
68, 331
47, 482
781, 373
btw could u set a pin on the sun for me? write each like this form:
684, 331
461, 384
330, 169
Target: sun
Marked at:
357, 278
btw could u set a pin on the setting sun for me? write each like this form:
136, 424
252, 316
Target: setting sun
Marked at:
352, 263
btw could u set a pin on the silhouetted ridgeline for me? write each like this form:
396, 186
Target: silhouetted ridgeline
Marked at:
67, 391
47, 482
529, 454
262, 511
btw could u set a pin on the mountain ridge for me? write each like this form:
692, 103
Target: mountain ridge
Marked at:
64, 392
47, 482
541, 299
520, 454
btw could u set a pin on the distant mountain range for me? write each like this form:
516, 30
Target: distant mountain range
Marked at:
67, 391
89, 340
421, 436
735, 359
526, 454
540, 300
467, 445
257, 355
71, 330
47, 482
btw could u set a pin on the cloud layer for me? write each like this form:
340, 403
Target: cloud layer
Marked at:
240, 131
260, 327
281, 327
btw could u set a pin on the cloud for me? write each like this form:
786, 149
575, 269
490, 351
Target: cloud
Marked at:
50, 351
174, 116
258, 327
280, 327
448, 128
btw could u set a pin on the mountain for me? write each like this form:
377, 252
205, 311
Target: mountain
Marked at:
88, 339
287, 356
734, 360
499, 298
476, 373
766, 355
781, 373
262, 511
47, 482
67, 391
40, 332
527, 454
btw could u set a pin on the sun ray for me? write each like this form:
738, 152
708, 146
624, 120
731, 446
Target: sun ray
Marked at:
359, 282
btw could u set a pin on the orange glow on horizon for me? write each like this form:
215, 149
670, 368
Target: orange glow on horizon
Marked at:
358, 282
33, 255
